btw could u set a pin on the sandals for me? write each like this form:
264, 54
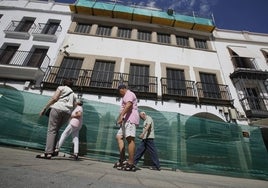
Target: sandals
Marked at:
129, 167
55, 153
44, 156
119, 164
124, 165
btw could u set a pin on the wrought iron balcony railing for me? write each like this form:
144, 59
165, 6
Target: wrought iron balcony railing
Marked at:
178, 90
99, 82
47, 32
143, 86
255, 107
23, 65
24, 59
240, 74
217, 94
19, 29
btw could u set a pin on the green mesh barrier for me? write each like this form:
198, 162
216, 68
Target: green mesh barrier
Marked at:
186, 143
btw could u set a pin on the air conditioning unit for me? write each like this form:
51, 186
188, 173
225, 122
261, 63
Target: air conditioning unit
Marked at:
233, 114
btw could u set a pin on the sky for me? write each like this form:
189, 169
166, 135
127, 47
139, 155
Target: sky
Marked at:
240, 15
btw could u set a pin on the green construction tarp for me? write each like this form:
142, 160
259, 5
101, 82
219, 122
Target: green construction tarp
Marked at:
183, 142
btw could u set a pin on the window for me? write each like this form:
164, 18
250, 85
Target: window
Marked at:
103, 74
242, 57
139, 77
176, 82
7, 54
82, 28
51, 27
199, 43
124, 33
36, 57
69, 68
242, 62
25, 25
144, 35
104, 30
163, 38
210, 85
253, 98
182, 41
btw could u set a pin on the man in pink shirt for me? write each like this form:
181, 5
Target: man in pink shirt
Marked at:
128, 119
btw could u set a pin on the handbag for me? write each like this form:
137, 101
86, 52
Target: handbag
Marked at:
48, 112
49, 109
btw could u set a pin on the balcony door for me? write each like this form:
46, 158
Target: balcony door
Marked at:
69, 68
176, 82
7, 54
25, 25
139, 77
37, 57
51, 28
210, 86
103, 74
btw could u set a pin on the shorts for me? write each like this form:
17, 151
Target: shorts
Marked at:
127, 129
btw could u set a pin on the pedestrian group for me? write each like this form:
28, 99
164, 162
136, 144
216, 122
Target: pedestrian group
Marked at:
65, 107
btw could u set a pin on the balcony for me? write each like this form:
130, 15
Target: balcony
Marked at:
255, 107
47, 32
215, 94
19, 29
253, 95
145, 87
98, 82
246, 73
22, 65
178, 90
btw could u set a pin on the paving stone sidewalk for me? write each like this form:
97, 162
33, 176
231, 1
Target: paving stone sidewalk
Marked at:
20, 168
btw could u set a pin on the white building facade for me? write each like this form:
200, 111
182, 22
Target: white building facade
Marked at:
32, 32
179, 65
206, 88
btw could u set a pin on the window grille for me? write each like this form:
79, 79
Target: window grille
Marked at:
104, 30
199, 43
144, 35
163, 38
124, 33
82, 28
182, 41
